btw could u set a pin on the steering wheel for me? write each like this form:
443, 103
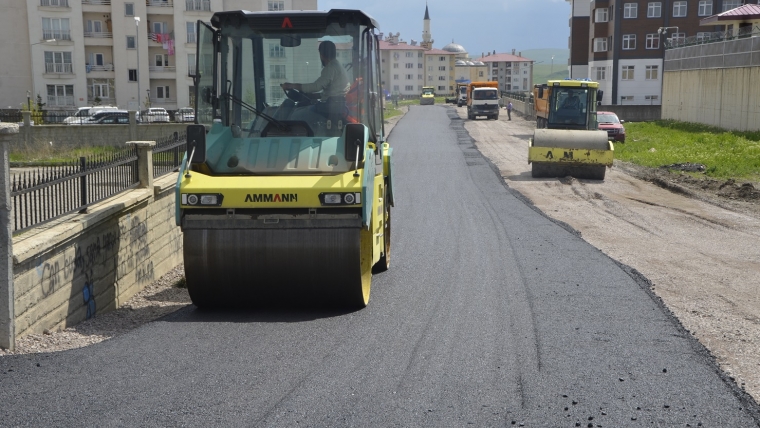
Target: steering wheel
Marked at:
297, 96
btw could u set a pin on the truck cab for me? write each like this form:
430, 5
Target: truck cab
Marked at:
483, 100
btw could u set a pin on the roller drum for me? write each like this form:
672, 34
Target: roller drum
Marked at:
571, 139
251, 266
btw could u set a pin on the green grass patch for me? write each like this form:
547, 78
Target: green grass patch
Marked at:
725, 154
51, 155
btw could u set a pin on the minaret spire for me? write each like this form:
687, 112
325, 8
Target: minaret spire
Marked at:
427, 41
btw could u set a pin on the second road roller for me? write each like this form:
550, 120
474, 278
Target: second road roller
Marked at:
567, 140
287, 186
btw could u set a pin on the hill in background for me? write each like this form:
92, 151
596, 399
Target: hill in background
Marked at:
543, 69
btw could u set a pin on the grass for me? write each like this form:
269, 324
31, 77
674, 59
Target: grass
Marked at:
391, 111
725, 154
44, 155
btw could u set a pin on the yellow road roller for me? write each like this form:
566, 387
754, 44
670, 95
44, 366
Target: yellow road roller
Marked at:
427, 97
286, 190
567, 141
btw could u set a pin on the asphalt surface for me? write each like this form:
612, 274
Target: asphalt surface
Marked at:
491, 315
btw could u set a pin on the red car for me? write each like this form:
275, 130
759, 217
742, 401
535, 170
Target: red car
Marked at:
608, 121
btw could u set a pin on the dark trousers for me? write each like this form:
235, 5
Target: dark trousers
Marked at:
332, 107
509, 113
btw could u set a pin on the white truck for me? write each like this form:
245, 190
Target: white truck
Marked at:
483, 100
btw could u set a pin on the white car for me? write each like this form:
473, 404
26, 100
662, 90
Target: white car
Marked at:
84, 114
154, 114
185, 114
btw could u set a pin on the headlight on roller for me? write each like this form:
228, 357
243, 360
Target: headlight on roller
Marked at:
353, 198
200, 199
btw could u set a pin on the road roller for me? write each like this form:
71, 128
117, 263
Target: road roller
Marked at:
567, 141
285, 195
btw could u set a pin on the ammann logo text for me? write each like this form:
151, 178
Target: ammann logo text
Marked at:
271, 197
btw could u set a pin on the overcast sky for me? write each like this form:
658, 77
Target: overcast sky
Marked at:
478, 25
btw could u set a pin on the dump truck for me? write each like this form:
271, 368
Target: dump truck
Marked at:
483, 100
428, 95
567, 141
280, 200
461, 94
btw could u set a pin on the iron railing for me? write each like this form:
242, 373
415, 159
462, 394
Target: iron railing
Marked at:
713, 37
42, 194
168, 153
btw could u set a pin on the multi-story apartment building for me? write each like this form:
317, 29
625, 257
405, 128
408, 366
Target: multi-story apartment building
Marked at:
439, 70
119, 52
402, 67
620, 43
513, 72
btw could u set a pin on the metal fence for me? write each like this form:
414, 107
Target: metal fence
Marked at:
168, 153
712, 37
44, 193
40, 117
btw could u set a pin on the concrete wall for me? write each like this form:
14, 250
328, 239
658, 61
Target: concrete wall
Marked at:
36, 138
87, 264
77, 266
722, 97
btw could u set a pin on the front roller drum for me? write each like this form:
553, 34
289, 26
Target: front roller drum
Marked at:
254, 267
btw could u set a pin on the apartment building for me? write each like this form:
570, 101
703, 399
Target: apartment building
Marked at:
127, 53
513, 72
623, 42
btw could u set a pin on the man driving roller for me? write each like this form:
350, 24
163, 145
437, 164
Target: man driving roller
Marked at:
332, 82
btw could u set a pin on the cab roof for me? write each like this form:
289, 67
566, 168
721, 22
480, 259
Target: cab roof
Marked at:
294, 20
573, 83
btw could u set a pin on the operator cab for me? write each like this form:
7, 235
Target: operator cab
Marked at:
259, 51
573, 107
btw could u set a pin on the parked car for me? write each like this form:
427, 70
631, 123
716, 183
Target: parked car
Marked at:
101, 115
154, 114
83, 114
185, 114
119, 117
608, 121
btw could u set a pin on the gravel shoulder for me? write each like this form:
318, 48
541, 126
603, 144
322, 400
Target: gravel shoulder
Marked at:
695, 240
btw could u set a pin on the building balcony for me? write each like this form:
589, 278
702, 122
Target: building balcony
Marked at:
56, 34
98, 34
198, 5
160, 7
96, 2
54, 3
54, 68
160, 3
60, 101
96, 68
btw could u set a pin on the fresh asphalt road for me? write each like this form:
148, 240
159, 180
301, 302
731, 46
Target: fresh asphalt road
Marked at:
491, 315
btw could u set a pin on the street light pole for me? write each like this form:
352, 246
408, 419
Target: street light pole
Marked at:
137, 49
552, 72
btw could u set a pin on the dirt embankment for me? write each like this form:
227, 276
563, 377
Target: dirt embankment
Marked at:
695, 240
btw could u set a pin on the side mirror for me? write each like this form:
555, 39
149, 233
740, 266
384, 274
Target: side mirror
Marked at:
599, 96
622, 121
355, 136
540, 92
207, 94
196, 143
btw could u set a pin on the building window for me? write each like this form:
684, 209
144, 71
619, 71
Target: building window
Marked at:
653, 41
651, 97
410, 54
409, 87
129, 9
419, 65
629, 42
630, 10
731, 4
601, 73
441, 77
601, 15
162, 92
703, 37
56, 28
441, 58
626, 98
276, 94
162, 60
409, 77
130, 42
395, 88
679, 9
191, 38
58, 62
277, 71
395, 65
276, 51
652, 72
191, 64
132, 75
60, 95
276, 5
442, 68
409, 65
705, 8
627, 72
55, 3
395, 77
600, 44
654, 9
678, 37
99, 88
204, 5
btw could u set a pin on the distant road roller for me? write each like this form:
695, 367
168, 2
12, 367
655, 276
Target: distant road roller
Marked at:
283, 195
567, 140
